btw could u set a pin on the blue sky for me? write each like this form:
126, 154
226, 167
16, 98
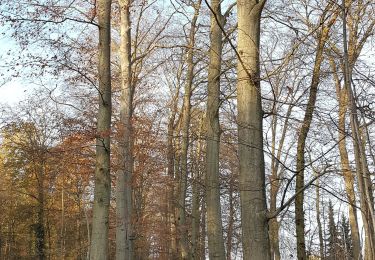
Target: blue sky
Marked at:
11, 90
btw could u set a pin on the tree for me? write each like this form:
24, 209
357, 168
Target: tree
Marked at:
333, 234
185, 124
347, 241
346, 63
46, 164
305, 128
124, 193
336, 248
102, 192
214, 220
30, 142
363, 176
193, 169
255, 238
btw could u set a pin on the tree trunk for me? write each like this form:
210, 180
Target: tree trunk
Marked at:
255, 238
216, 247
196, 197
102, 191
363, 176
171, 206
124, 200
302, 136
345, 165
182, 224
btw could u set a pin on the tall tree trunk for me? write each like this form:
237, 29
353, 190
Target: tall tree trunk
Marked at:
182, 224
275, 186
304, 130
102, 191
357, 38
216, 247
255, 237
363, 176
345, 165
196, 194
171, 152
177, 189
195, 212
124, 201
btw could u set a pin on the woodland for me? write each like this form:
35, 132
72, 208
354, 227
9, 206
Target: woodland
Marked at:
187, 129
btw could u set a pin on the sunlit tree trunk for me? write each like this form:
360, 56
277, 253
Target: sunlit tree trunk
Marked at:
363, 176
255, 238
347, 173
102, 191
216, 247
124, 201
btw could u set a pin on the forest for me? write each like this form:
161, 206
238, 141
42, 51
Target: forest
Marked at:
187, 129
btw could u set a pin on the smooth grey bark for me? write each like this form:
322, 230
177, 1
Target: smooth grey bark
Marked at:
255, 237
215, 238
124, 192
102, 191
196, 194
185, 253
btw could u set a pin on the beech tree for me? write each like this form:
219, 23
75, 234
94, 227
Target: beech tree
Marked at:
124, 201
255, 238
102, 193
185, 122
224, 133
214, 219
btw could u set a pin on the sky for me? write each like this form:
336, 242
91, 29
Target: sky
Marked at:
12, 90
